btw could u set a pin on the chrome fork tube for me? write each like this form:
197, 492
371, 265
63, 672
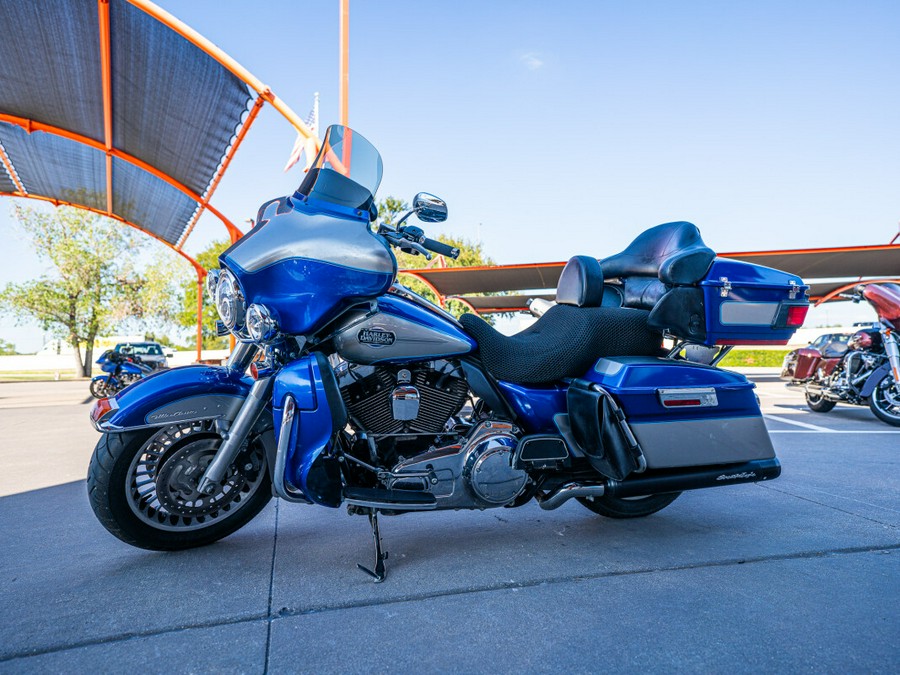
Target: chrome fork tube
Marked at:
893, 352
236, 435
241, 356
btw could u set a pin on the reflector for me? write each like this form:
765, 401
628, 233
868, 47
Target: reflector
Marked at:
796, 315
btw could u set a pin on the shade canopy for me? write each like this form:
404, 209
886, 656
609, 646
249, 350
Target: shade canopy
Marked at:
840, 266
117, 107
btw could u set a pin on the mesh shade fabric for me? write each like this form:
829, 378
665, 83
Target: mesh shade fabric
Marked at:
173, 105
147, 201
6, 182
50, 64
56, 167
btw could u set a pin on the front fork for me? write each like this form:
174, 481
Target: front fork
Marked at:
893, 352
246, 417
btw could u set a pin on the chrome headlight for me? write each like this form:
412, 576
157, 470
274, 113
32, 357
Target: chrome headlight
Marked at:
230, 300
212, 280
260, 325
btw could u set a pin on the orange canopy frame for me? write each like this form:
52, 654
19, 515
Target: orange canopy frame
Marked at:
25, 113
840, 269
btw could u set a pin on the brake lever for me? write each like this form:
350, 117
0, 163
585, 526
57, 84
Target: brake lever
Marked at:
400, 241
415, 247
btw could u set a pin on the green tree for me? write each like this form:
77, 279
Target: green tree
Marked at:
93, 284
7, 348
187, 315
390, 210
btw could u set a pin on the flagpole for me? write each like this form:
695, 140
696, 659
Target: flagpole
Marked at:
315, 113
344, 65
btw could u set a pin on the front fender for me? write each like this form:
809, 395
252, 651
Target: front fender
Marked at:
873, 379
184, 394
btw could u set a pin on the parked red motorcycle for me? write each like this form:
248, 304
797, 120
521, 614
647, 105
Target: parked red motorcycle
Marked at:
868, 373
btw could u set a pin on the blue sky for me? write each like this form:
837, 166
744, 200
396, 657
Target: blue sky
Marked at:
554, 129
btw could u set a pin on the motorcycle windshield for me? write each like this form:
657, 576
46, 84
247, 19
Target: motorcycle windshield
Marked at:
347, 171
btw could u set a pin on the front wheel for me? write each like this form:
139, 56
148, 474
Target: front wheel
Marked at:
142, 486
818, 403
628, 507
885, 401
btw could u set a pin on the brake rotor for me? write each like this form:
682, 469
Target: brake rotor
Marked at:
180, 473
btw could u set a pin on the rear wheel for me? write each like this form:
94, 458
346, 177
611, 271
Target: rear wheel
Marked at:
818, 402
628, 507
143, 487
885, 401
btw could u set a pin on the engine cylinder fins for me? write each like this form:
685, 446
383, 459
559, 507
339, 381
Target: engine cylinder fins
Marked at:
385, 405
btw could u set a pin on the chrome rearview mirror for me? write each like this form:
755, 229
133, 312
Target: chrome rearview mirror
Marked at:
429, 209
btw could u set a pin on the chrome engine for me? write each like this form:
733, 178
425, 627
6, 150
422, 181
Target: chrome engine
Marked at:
478, 473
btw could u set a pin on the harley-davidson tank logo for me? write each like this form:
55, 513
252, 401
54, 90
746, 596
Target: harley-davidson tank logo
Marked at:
376, 337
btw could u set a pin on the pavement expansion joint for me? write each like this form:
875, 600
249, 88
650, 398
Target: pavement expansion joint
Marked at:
828, 506
288, 613
271, 588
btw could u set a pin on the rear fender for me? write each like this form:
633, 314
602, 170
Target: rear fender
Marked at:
185, 394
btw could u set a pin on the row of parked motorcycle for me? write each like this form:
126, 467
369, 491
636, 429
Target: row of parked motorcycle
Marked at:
125, 364
854, 368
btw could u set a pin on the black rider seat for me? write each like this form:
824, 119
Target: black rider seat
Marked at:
570, 336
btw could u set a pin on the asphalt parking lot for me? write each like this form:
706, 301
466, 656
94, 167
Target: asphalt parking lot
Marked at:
798, 575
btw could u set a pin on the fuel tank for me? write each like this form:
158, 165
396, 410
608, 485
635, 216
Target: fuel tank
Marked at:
399, 331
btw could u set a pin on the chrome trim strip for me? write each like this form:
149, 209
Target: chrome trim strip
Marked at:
390, 506
284, 441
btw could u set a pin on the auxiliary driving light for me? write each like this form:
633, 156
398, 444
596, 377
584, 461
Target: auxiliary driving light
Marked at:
260, 325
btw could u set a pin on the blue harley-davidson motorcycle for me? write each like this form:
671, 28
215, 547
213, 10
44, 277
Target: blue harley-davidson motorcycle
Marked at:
362, 393
121, 369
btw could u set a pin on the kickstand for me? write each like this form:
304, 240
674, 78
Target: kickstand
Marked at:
380, 556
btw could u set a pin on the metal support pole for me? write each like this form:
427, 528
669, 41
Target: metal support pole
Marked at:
201, 275
344, 88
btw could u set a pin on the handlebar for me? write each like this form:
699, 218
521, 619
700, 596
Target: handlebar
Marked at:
441, 248
412, 238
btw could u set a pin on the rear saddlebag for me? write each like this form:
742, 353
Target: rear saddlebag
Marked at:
599, 429
685, 414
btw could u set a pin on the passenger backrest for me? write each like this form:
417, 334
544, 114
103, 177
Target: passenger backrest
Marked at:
665, 256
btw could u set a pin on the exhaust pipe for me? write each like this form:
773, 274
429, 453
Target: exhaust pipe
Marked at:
697, 478
559, 497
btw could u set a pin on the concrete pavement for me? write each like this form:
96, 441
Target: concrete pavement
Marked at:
799, 574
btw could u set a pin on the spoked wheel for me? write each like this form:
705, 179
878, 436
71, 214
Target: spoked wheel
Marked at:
98, 388
628, 507
818, 402
143, 486
885, 401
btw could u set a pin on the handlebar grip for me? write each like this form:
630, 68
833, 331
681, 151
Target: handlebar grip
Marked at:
441, 248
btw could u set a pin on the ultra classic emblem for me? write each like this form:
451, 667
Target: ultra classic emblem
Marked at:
375, 337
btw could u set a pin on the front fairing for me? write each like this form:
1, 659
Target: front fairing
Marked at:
308, 260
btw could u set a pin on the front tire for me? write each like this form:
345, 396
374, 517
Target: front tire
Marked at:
818, 403
142, 487
885, 401
629, 507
